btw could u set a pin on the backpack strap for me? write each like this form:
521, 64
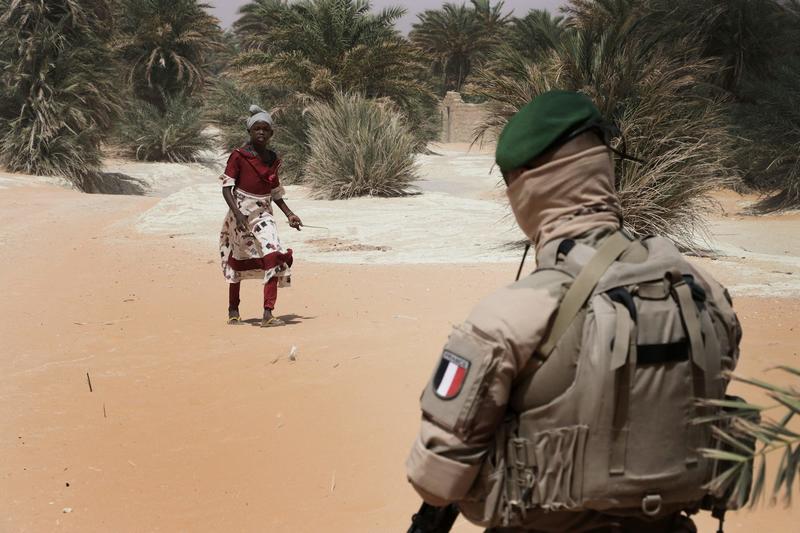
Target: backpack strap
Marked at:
704, 366
580, 290
623, 364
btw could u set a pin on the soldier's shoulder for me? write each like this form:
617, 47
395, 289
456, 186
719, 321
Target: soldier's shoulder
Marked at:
522, 306
545, 278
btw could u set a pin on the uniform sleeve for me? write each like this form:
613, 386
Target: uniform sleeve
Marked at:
277, 192
465, 400
231, 175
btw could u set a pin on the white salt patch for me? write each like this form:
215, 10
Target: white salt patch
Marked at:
454, 220
428, 228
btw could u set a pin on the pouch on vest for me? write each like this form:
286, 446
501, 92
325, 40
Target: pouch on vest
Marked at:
621, 438
451, 397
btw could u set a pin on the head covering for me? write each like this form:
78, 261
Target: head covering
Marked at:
258, 115
547, 121
569, 196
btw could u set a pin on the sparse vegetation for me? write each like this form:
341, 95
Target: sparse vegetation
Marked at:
358, 147
723, 111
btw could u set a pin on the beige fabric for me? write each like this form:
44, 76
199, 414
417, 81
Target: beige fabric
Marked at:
478, 450
473, 467
510, 324
566, 197
582, 287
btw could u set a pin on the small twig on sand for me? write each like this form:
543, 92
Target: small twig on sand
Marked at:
333, 481
104, 410
90, 382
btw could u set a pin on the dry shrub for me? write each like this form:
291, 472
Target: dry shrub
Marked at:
358, 147
176, 135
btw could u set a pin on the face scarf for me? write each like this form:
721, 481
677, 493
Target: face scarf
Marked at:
566, 197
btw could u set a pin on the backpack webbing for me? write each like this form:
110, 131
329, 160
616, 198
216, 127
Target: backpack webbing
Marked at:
582, 288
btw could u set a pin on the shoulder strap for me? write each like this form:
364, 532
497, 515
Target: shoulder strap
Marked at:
582, 288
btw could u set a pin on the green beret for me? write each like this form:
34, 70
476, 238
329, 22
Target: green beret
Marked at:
541, 124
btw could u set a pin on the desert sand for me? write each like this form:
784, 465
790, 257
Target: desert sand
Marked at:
194, 425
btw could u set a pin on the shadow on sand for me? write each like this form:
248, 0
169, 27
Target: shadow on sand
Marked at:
291, 320
114, 183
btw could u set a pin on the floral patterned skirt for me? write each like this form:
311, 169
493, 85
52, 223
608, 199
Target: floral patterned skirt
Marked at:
256, 253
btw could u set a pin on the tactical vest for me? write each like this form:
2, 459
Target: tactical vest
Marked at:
638, 344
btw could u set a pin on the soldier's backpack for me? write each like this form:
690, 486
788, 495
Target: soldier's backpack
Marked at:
646, 341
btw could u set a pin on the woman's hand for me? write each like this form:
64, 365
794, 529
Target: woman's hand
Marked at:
241, 221
294, 221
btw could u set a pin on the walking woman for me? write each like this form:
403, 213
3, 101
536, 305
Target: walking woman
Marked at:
249, 245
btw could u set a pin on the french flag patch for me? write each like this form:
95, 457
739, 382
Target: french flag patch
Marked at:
450, 375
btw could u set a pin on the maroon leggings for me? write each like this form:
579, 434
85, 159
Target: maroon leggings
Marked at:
270, 294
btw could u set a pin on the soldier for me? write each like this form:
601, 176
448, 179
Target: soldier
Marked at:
565, 402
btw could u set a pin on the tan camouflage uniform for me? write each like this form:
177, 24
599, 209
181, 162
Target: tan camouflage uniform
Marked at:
451, 460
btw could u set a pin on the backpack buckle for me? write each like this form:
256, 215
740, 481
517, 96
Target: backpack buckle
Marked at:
651, 504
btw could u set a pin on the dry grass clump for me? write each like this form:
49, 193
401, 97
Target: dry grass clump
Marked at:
358, 147
174, 135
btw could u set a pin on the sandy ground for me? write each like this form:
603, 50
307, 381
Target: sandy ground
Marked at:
193, 425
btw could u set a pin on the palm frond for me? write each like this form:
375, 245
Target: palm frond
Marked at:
755, 437
660, 99
167, 46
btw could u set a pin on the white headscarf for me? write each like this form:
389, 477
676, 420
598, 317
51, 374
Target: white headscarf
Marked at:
258, 115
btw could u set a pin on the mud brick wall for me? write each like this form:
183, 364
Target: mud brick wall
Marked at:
459, 119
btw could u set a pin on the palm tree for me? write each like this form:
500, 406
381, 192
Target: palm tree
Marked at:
536, 33
166, 46
755, 42
317, 47
457, 37
57, 80
767, 120
658, 99
491, 17
308, 52
597, 15
744, 35
261, 23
